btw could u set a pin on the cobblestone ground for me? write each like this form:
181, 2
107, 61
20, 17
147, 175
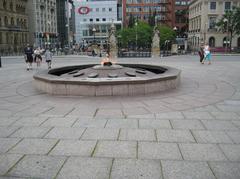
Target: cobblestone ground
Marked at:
192, 132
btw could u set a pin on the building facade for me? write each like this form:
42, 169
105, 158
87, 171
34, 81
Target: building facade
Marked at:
203, 16
65, 22
13, 26
181, 17
43, 20
93, 20
142, 9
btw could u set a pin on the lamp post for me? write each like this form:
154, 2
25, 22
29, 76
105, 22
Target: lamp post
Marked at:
225, 20
94, 31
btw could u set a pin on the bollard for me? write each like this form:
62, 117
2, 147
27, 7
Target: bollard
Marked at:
0, 62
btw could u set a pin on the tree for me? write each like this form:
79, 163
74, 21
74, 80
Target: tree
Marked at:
152, 16
166, 33
230, 23
140, 33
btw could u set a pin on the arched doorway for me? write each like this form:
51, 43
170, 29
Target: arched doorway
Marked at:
225, 42
211, 42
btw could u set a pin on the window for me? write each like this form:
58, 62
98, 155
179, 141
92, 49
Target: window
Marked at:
211, 42
103, 9
91, 20
212, 22
226, 42
213, 5
103, 19
84, 20
97, 9
11, 6
97, 19
110, 9
238, 42
6, 21
227, 5
4, 4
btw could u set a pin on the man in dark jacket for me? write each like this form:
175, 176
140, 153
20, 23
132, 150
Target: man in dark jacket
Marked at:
201, 54
28, 51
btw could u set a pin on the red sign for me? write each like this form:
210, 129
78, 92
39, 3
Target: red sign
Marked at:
83, 10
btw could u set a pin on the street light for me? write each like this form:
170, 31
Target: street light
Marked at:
94, 31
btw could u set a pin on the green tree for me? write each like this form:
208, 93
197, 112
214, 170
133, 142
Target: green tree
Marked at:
140, 33
166, 33
230, 23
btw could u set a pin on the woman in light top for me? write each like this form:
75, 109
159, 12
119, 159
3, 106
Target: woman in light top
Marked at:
207, 54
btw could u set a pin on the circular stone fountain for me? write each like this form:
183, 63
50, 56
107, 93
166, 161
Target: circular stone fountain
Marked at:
107, 80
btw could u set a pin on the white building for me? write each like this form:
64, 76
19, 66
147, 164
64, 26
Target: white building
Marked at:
203, 16
93, 20
43, 22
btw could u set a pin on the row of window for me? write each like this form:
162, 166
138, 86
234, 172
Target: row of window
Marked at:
18, 22
97, 20
181, 3
9, 38
213, 5
146, 9
102, 9
145, 1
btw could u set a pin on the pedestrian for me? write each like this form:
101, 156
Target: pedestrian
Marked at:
48, 57
207, 54
201, 53
28, 56
38, 57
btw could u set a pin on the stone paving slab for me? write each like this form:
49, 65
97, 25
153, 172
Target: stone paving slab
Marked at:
226, 170
33, 146
38, 166
202, 152
7, 161
30, 132
90, 123
186, 169
205, 136
30, 121
7, 143
231, 151
86, 168
153, 150
219, 125
186, 124
136, 169
7, 130
116, 149
225, 115
111, 123
65, 133
74, 147
154, 124
179, 136
100, 134
170, 115
137, 134
198, 115
59, 122
235, 136
6, 121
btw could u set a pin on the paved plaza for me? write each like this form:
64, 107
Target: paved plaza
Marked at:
192, 132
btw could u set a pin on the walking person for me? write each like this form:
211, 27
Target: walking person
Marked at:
207, 54
28, 58
38, 57
201, 53
48, 57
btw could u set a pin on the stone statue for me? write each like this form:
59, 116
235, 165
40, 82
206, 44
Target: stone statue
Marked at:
155, 43
112, 42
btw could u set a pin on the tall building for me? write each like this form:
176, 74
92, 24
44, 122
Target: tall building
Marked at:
13, 26
93, 20
203, 16
143, 9
66, 22
181, 17
43, 20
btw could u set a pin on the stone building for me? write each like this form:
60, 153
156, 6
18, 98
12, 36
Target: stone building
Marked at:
143, 9
181, 17
203, 16
13, 26
43, 20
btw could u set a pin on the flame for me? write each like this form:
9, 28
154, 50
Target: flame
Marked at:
107, 59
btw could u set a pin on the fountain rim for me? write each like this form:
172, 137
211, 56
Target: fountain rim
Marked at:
170, 74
